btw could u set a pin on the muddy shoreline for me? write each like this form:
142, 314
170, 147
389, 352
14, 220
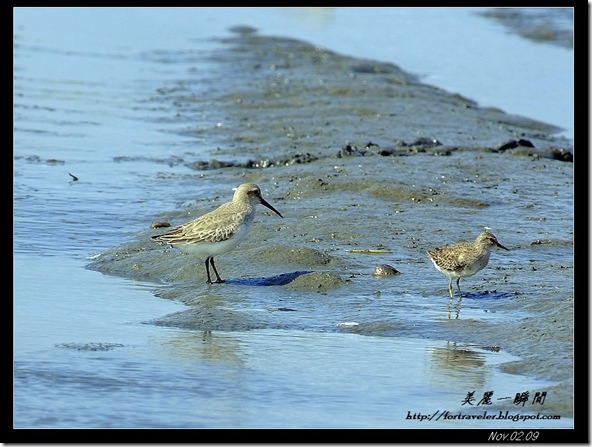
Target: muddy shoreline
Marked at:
358, 154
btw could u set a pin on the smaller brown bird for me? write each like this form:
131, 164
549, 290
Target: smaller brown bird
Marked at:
464, 258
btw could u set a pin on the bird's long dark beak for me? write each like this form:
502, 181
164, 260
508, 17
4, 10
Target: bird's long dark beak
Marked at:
264, 203
501, 246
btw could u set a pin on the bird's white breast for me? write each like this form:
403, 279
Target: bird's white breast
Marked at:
205, 249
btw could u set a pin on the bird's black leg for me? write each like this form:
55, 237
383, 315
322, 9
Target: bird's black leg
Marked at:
218, 280
209, 281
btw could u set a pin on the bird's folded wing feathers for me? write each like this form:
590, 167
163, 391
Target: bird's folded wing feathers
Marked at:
202, 230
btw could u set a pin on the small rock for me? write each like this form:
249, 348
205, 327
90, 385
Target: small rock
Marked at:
385, 270
160, 224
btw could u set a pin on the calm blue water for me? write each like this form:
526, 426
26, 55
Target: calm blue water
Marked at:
90, 361
84, 355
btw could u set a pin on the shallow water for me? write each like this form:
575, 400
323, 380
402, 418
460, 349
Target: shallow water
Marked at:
339, 349
100, 358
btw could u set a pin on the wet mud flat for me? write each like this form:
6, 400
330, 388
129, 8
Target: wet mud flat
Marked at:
369, 166
551, 25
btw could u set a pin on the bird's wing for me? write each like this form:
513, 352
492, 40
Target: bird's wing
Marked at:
211, 227
447, 259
